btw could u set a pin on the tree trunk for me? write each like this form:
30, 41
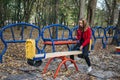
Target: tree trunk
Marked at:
82, 9
115, 41
54, 17
110, 11
1, 13
113, 12
91, 12
19, 11
28, 6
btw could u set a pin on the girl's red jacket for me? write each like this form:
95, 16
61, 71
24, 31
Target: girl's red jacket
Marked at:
86, 36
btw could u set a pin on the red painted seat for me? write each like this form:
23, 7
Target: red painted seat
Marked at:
60, 42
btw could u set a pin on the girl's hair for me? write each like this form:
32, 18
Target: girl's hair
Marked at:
85, 24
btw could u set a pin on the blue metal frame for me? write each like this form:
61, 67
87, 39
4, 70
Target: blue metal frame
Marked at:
57, 27
22, 40
97, 29
117, 37
113, 28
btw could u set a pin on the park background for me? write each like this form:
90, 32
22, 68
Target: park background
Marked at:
67, 12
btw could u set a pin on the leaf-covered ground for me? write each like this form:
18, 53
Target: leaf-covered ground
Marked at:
105, 64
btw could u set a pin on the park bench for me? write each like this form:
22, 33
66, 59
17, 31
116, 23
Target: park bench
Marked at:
19, 33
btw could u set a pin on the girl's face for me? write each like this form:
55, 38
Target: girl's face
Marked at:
80, 23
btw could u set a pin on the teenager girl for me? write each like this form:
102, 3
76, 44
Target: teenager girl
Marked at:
83, 35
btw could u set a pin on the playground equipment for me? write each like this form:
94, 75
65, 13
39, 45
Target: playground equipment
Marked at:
118, 50
109, 33
59, 37
49, 40
34, 54
117, 36
98, 33
63, 37
30, 55
20, 36
112, 32
92, 39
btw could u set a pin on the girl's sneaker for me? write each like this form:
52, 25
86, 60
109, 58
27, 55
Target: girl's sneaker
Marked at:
89, 69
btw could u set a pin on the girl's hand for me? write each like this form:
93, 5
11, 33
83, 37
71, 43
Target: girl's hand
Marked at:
81, 47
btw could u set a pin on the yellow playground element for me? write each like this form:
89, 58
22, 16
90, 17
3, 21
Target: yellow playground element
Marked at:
90, 44
30, 48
